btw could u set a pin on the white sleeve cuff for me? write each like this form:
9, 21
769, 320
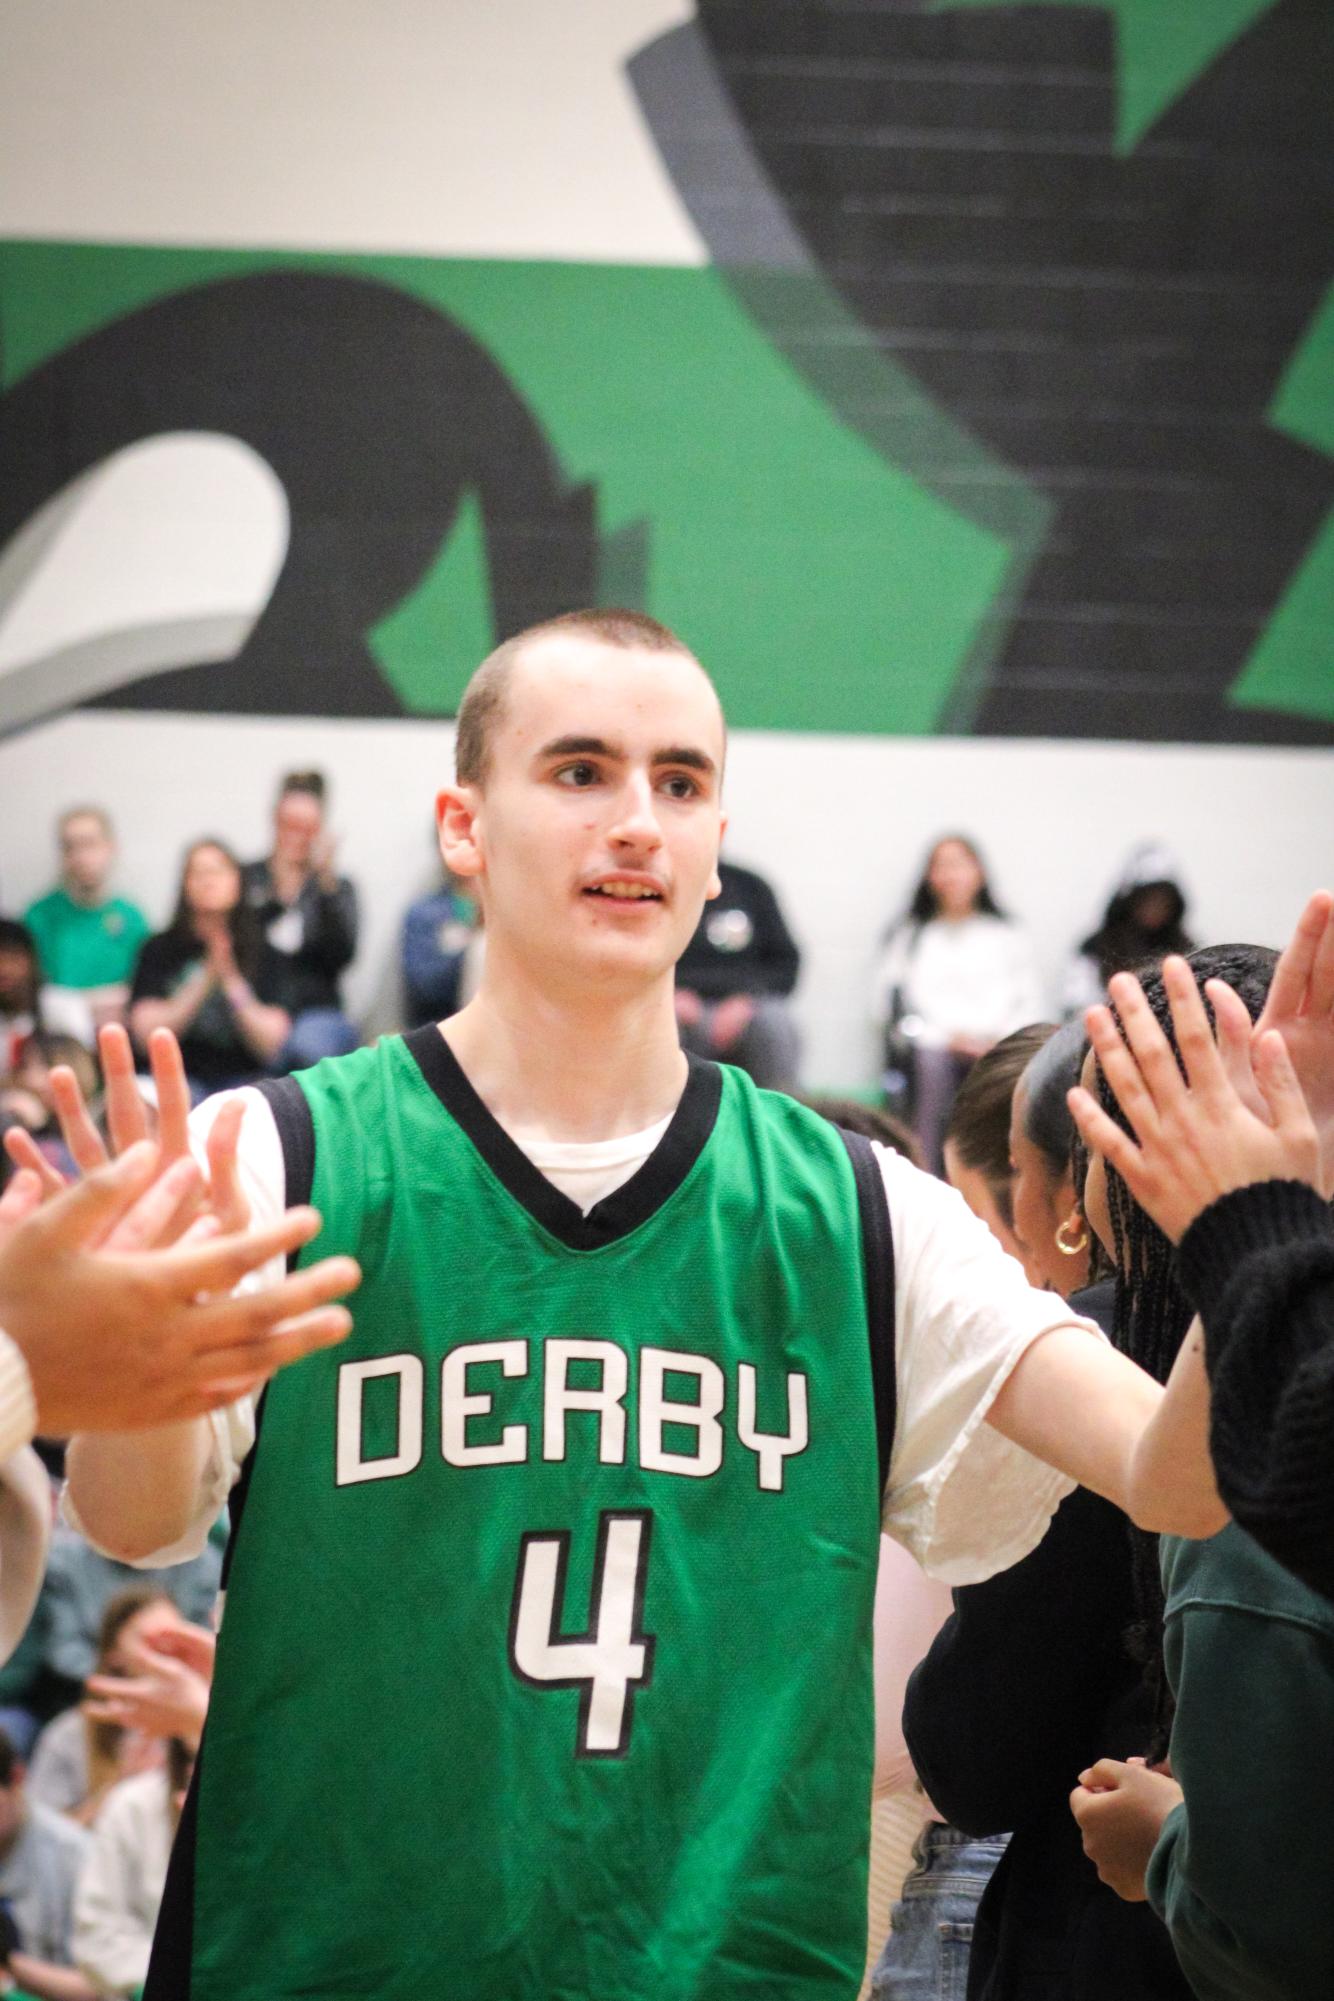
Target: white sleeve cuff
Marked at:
18, 1405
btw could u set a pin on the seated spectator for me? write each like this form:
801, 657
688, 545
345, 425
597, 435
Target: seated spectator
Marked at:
87, 939
1143, 922
121, 1882
20, 985
437, 932
309, 917
955, 975
26, 1098
80, 1581
212, 978
40, 1857
80, 1756
734, 978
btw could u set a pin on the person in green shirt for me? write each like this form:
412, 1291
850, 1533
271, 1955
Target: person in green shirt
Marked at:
87, 940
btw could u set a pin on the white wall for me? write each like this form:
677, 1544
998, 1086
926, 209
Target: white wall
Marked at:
837, 823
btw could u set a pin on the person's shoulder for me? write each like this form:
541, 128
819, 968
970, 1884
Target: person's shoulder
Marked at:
129, 913
56, 1832
43, 908
1229, 1572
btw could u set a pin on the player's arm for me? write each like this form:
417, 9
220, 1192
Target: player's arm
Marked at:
1096, 1415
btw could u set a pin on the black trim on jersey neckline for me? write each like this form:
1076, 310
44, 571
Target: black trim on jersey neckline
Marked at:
881, 1306
626, 1207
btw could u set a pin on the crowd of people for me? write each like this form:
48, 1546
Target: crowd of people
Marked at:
1108, 1724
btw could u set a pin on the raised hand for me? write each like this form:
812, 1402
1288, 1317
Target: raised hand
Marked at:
1196, 1137
1300, 1007
120, 1334
128, 1124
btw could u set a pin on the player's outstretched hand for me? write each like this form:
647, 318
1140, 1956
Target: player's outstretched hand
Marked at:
121, 1334
128, 1123
1196, 1137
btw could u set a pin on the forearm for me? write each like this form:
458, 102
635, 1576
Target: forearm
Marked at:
176, 1013
263, 1028
46, 1982
1172, 1485
138, 1492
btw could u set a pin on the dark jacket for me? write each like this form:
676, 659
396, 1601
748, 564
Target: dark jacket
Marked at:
313, 939
741, 945
1026, 1684
1258, 1266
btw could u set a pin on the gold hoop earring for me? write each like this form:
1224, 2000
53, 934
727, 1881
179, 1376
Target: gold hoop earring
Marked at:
1076, 1249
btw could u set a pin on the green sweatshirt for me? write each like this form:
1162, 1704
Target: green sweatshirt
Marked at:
1240, 1874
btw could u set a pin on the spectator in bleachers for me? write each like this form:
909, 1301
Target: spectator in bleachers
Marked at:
437, 932
212, 978
20, 984
734, 979
121, 1882
25, 1094
87, 939
309, 917
40, 1856
955, 975
78, 1757
80, 1581
1145, 919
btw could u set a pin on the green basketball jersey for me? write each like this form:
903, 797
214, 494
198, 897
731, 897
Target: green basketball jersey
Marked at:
545, 1669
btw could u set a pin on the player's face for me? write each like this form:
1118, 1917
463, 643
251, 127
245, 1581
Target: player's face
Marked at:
977, 1192
1042, 1204
297, 822
595, 838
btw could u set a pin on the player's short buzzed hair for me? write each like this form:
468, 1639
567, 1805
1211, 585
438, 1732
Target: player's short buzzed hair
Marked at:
98, 813
484, 696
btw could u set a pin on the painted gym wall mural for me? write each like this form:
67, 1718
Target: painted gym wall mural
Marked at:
1005, 406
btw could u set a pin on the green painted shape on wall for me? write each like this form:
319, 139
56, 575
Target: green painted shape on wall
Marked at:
827, 589
1161, 47
1292, 667
431, 641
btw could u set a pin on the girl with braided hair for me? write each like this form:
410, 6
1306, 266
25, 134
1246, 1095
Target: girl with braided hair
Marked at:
1244, 1653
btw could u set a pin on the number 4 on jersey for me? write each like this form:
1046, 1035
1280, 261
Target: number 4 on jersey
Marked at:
614, 1655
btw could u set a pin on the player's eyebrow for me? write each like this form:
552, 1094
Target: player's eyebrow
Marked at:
596, 746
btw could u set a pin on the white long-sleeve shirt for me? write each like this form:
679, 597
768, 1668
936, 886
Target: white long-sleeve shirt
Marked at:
973, 976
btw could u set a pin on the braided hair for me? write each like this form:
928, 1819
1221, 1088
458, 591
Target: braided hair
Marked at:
1152, 1313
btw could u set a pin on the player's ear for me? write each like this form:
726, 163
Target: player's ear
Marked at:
715, 887
456, 819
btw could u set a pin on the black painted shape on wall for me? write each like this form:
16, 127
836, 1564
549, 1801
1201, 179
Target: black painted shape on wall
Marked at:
1114, 327
376, 413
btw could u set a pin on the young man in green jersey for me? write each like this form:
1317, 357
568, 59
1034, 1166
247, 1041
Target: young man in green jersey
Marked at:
576, 1539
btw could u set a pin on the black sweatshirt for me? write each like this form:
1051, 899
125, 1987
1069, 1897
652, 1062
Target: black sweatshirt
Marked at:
741, 944
1258, 1267
1024, 1686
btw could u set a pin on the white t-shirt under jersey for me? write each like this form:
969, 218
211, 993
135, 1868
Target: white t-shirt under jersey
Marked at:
961, 1498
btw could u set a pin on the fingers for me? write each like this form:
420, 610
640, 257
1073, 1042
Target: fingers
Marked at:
1194, 1037
1287, 1104
173, 1093
154, 1216
1104, 1777
1122, 1071
226, 1195
127, 1118
23, 1195
1235, 1034
86, 1212
1103, 1135
252, 1359
25, 1153
1148, 1045
252, 1316
77, 1129
221, 1263
1303, 979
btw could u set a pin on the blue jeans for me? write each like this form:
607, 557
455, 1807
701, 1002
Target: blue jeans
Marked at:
926, 1954
316, 1033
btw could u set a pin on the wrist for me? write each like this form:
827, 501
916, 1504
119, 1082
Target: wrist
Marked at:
1245, 1220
